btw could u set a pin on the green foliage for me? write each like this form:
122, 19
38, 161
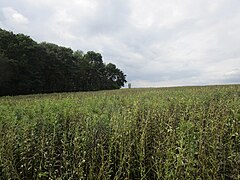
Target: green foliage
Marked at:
27, 67
166, 133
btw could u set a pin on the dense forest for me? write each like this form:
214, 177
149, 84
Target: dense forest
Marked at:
28, 67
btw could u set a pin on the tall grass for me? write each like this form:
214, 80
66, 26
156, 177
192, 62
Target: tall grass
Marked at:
166, 133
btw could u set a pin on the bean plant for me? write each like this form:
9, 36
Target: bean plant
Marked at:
154, 133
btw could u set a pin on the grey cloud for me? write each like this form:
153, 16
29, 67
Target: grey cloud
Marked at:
232, 76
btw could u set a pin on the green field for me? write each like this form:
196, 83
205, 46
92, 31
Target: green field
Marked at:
161, 133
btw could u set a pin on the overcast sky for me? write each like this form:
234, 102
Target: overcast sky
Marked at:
155, 42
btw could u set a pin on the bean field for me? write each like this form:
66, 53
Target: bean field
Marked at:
152, 133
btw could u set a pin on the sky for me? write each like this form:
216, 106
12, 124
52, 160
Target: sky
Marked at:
155, 43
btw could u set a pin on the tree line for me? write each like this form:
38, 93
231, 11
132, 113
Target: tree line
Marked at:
28, 67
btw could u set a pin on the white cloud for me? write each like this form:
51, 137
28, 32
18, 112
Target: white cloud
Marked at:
156, 43
14, 17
